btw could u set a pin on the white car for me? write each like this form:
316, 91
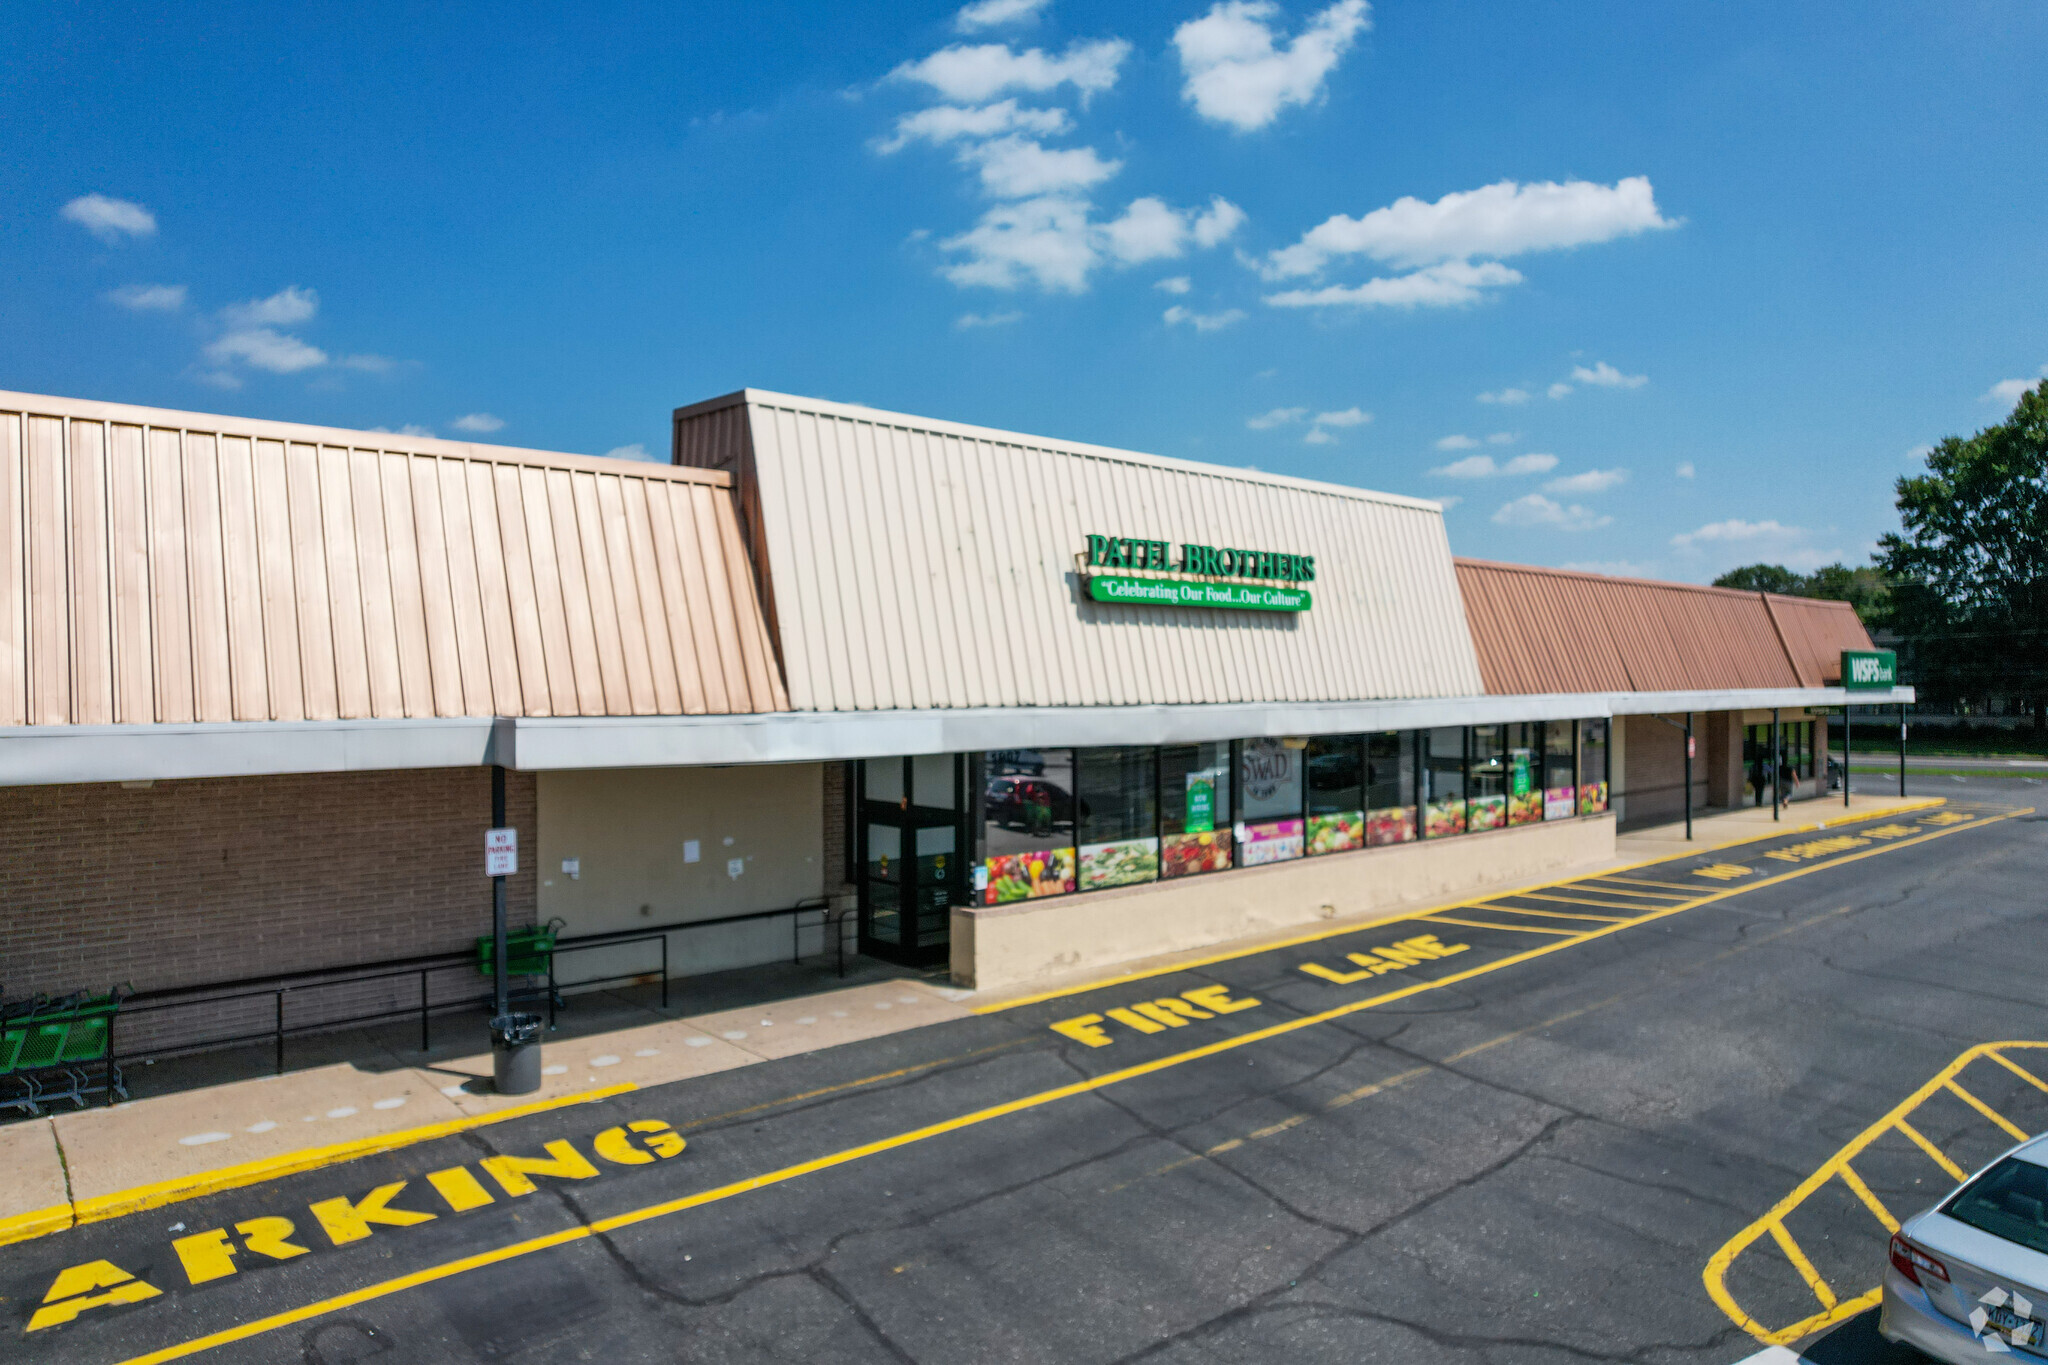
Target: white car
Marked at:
1969, 1277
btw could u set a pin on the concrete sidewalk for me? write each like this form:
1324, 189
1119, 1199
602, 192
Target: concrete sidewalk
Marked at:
100, 1163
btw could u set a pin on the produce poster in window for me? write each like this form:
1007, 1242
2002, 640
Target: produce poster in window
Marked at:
1336, 832
1027, 876
1390, 825
1446, 817
1119, 864
1486, 812
1270, 841
1592, 798
1558, 802
1183, 855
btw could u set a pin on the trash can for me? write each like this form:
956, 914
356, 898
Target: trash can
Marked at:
515, 1053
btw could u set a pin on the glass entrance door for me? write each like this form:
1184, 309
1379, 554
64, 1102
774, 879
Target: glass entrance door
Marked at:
913, 871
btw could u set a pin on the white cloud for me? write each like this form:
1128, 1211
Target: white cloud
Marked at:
1504, 219
149, 298
369, 364
1266, 421
1216, 223
1456, 443
969, 321
1439, 286
1202, 322
264, 348
980, 72
635, 451
1501, 438
1452, 501
944, 123
1349, 417
478, 421
1316, 436
1592, 481
1533, 509
1505, 397
2006, 392
1620, 568
1485, 467
1174, 284
994, 13
1236, 75
1684, 470
414, 429
1021, 167
1604, 375
287, 306
1052, 241
1559, 389
111, 220
1737, 531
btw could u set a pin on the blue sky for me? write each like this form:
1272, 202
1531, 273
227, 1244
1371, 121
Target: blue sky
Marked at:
1720, 269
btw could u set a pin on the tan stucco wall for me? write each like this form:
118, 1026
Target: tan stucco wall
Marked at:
628, 827
1008, 946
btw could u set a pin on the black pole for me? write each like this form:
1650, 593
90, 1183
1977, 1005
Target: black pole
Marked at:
503, 999
1902, 748
1848, 729
1688, 775
1777, 764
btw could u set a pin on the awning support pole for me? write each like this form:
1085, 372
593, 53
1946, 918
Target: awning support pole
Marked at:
502, 999
1848, 729
1902, 748
1688, 776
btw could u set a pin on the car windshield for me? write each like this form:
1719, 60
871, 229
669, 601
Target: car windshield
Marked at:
2010, 1200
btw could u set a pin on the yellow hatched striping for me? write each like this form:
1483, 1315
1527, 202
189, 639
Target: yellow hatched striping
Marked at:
1496, 907
1834, 1309
1509, 928
1675, 890
1576, 900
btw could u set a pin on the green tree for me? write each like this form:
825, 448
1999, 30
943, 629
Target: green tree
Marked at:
1764, 578
1969, 570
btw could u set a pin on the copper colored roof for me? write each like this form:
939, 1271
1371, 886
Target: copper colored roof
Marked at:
1551, 630
1815, 634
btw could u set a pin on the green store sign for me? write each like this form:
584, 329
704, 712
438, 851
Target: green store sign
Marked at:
1280, 570
1870, 670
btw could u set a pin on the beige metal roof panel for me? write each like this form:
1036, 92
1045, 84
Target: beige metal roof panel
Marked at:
1542, 630
918, 564
163, 567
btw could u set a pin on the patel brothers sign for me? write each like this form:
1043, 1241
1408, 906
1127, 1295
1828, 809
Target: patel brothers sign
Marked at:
1278, 569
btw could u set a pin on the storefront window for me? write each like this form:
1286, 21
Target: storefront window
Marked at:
1028, 825
1592, 767
1336, 793
1560, 779
1445, 770
1118, 791
1390, 787
1486, 799
1194, 809
1269, 788
1525, 773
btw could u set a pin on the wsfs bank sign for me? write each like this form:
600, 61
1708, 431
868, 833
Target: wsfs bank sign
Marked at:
1869, 670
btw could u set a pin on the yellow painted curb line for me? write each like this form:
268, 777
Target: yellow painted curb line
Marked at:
1393, 916
101, 1207
40, 1223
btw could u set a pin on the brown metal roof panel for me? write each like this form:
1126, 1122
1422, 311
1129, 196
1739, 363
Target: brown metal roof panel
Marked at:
1815, 634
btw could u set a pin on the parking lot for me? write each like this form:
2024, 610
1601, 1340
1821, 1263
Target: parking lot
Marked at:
1607, 1119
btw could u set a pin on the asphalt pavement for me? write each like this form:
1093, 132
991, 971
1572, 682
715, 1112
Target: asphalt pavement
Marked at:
1516, 1130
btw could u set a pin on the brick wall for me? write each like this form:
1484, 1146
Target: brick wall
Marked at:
838, 868
1653, 771
189, 882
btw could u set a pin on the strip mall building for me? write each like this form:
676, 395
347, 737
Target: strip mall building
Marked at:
1030, 706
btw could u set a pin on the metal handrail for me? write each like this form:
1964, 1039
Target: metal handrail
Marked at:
278, 986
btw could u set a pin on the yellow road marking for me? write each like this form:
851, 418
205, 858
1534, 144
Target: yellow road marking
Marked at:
1567, 900
1919, 1140
2016, 1069
1506, 928
1251, 950
2012, 1130
840, 1158
1686, 892
1805, 1268
1496, 907
1838, 1166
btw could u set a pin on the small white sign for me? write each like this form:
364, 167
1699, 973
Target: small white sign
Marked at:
573, 867
692, 851
735, 867
501, 852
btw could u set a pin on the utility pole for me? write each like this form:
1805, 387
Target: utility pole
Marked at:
1848, 729
1688, 776
1777, 764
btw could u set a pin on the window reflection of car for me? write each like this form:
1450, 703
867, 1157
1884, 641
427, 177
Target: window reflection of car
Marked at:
1018, 761
1027, 803
1334, 771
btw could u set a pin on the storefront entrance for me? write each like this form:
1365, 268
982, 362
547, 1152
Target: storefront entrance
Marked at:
913, 860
